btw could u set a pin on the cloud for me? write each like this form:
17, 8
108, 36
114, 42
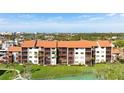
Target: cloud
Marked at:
64, 27
3, 21
96, 18
25, 16
111, 14
54, 19
88, 23
83, 16
58, 18
122, 15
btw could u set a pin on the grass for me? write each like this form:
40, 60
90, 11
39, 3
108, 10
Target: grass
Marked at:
21, 68
102, 71
110, 71
51, 72
8, 75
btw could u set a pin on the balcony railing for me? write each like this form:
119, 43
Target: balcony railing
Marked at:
24, 52
62, 54
24, 59
70, 54
24, 49
24, 55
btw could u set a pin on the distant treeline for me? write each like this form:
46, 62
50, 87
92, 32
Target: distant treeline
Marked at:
75, 36
69, 36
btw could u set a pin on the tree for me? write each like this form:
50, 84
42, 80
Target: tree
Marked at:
119, 43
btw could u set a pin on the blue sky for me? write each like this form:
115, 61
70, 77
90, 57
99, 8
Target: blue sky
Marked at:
62, 22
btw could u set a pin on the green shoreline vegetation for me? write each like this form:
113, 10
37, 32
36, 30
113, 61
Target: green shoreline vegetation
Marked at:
102, 71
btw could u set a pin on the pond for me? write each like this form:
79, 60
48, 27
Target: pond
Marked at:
82, 76
85, 76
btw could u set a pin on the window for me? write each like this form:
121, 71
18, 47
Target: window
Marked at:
76, 48
97, 51
97, 60
97, 55
102, 55
82, 52
35, 56
53, 52
35, 52
76, 57
76, 52
53, 57
30, 56
30, 52
35, 60
53, 48
102, 51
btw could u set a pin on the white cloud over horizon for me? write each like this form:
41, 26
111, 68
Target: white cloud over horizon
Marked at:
66, 27
62, 23
111, 14
122, 15
95, 18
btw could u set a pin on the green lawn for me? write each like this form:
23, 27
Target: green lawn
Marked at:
102, 71
51, 72
8, 75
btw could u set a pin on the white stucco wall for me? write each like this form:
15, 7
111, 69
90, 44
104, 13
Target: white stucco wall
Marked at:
15, 56
101, 56
79, 58
31, 55
53, 56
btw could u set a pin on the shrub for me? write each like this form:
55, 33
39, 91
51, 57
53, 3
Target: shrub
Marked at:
121, 61
35, 69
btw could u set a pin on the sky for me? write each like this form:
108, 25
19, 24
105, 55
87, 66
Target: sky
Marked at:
62, 22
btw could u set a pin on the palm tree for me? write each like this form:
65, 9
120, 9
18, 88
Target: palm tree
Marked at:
92, 61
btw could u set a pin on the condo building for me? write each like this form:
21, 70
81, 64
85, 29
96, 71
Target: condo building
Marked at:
14, 54
47, 54
103, 51
62, 52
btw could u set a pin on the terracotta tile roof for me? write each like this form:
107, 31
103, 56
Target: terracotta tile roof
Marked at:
76, 44
46, 44
29, 43
93, 43
71, 44
40, 43
115, 51
104, 43
14, 49
50, 44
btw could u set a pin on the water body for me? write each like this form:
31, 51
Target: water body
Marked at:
83, 76
86, 76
